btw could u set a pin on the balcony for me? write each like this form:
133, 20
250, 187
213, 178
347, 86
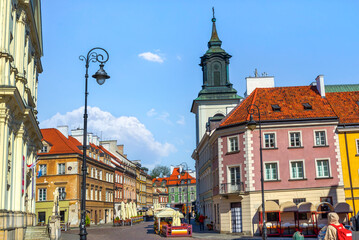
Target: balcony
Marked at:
227, 188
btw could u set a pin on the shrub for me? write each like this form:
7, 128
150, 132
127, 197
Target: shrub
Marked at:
87, 220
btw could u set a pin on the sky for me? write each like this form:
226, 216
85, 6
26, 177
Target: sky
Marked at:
155, 48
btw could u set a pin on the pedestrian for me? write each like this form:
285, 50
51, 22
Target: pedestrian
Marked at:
201, 222
335, 230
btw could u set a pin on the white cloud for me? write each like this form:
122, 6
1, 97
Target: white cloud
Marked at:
164, 116
179, 58
152, 112
152, 57
181, 121
138, 140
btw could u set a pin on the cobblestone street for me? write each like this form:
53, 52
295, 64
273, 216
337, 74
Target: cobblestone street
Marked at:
145, 231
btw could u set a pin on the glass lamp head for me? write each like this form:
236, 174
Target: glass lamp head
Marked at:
252, 124
101, 75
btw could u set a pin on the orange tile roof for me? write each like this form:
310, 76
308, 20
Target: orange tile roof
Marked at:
174, 179
345, 105
290, 99
60, 144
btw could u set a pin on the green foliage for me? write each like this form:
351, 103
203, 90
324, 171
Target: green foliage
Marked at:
144, 169
87, 220
160, 171
117, 218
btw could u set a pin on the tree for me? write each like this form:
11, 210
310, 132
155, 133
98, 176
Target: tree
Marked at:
160, 171
144, 169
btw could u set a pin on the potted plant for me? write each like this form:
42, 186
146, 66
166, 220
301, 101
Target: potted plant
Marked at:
87, 221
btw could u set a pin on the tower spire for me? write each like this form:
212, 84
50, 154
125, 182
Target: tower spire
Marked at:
214, 41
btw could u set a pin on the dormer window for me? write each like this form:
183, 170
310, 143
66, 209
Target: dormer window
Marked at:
182, 182
276, 108
44, 149
307, 106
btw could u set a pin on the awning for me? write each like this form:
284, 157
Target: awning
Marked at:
270, 206
168, 212
306, 207
288, 207
342, 207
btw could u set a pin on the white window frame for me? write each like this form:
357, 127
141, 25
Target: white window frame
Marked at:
229, 172
264, 173
326, 137
61, 190
357, 145
229, 145
264, 140
179, 189
290, 168
59, 168
300, 138
43, 166
44, 192
329, 168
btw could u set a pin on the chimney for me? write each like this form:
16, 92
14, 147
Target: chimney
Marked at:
320, 85
120, 148
257, 81
64, 130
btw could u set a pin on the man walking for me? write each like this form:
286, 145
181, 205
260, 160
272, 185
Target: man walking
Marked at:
201, 222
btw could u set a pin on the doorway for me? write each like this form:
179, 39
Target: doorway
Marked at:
236, 214
96, 217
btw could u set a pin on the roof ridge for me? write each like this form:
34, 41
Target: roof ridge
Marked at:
67, 140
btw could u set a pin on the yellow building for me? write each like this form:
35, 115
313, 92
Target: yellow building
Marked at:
20, 136
346, 106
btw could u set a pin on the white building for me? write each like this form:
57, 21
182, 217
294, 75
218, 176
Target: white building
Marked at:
20, 136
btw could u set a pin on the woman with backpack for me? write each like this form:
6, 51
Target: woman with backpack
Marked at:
335, 230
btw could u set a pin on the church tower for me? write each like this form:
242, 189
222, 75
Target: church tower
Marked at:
217, 97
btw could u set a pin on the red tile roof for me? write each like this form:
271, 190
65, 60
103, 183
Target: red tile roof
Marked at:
176, 177
59, 143
345, 105
289, 99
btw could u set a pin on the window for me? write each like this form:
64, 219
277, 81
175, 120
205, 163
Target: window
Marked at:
323, 168
320, 139
61, 190
298, 200
294, 139
269, 140
297, 170
100, 175
307, 106
42, 194
180, 197
179, 189
61, 168
192, 197
100, 195
96, 173
272, 216
91, 195
357, 144
172, 190
276, 108
44, 149
235, 178
233, 144
95, 194
42, 216
271, 171
43, 169
192, 189
62, 216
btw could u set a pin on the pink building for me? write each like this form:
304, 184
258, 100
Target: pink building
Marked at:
301, 156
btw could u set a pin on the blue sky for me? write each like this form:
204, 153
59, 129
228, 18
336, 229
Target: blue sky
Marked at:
155, 48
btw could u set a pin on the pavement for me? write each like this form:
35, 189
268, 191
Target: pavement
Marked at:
144, 230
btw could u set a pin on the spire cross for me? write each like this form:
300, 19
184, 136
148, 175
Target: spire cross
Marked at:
213, 11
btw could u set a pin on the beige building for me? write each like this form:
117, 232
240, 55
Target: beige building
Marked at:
20, 136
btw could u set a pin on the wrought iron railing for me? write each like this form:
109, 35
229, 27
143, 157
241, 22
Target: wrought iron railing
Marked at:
231, 188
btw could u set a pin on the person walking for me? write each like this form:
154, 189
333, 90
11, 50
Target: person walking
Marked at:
201, 222
335, 230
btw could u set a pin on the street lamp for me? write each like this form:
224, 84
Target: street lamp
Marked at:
183, 172
252, 125
100, 76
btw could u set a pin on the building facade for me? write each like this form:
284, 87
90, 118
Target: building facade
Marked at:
181, 188
344, 100
300, 153
149, 191
20, 136
160, 191
59, 169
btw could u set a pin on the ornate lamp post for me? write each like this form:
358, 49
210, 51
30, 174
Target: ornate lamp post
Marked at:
252, 125
183, 172
100, 76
